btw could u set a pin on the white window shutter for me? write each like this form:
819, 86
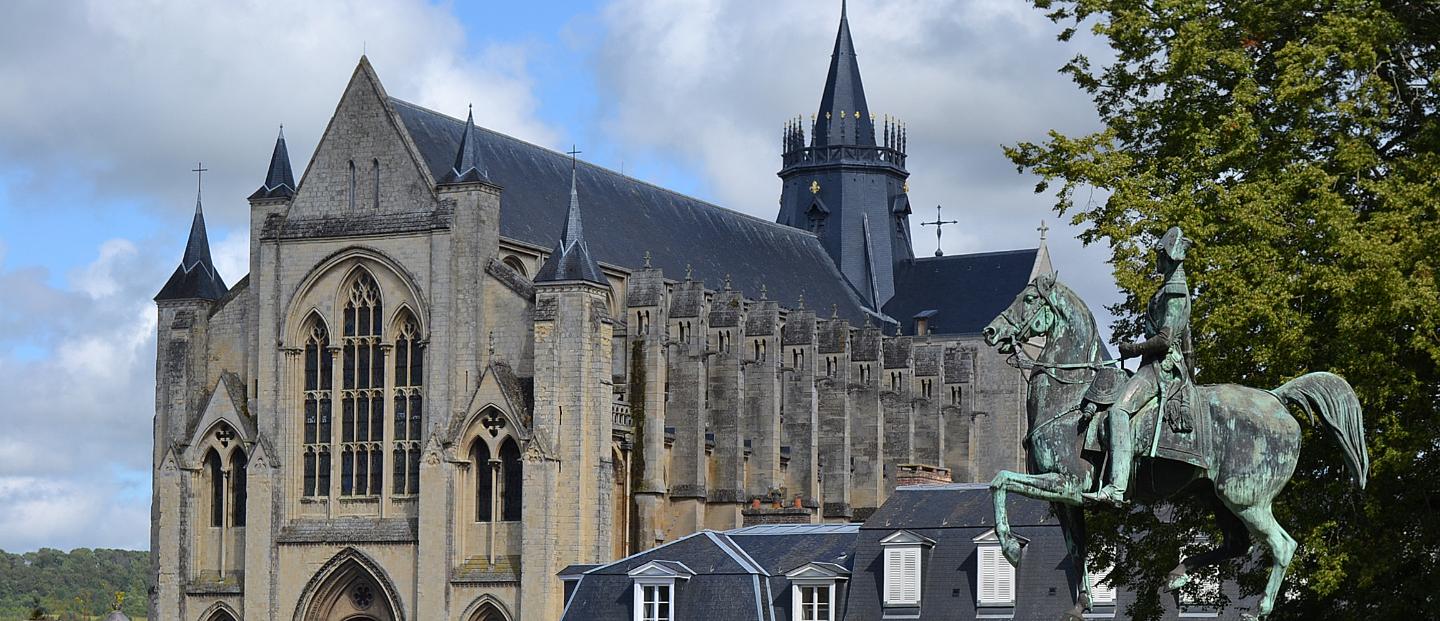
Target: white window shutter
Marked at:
996, 579
1102, 594
902, 575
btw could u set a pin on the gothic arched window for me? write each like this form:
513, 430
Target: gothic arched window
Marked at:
319, 377
215, 473
511, 481
362, 404
484, 480
514, 263
409, 379
239, 467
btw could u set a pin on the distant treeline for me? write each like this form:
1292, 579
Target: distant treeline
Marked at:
80, 584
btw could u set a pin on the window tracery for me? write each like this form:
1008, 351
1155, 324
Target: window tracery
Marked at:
319, 374
409, 382
362, 412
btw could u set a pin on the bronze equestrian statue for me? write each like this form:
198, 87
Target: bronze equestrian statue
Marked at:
1229, 447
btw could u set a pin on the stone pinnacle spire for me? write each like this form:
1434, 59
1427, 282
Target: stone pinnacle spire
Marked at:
279, 180
196, 277
844, 117
468, 167
571, 259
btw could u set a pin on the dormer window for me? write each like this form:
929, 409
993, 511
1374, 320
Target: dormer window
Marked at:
813, 591
654, 590
995, 576
904, 567
1101, 594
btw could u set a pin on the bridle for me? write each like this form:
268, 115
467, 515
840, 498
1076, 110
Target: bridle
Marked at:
1024, 333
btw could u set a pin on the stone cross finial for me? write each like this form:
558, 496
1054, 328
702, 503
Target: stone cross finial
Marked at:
727, 282
1043, 230
802, 302
647, 258
688, 271
834, 311
763, 291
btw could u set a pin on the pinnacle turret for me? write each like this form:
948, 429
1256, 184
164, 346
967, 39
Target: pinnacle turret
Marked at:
468, 166
279, 180
571, 259
196, 277
844, 117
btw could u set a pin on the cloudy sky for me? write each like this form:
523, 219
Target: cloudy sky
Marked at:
106, 105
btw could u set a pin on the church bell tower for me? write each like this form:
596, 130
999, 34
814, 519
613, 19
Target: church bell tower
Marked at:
848, 185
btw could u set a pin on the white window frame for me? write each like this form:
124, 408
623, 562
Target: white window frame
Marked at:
904, 548
990, 563
815, 575
640, 600
657, 574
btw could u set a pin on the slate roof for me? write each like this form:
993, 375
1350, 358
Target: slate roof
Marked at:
279, 179
196, 277
844, 96
967, 290
627, 217
571, 259
739, 574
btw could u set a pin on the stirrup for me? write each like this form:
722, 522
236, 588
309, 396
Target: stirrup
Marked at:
1107, 495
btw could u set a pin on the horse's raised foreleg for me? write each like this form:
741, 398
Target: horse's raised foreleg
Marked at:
1236, 543
1072, 524
1050, 487
1281, 546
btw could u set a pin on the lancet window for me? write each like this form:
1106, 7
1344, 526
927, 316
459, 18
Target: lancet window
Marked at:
409, 381
239, 467
498, 474
362, 404
319, 374
215, 472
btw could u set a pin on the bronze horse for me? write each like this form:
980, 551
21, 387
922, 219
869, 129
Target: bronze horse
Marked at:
1252, 449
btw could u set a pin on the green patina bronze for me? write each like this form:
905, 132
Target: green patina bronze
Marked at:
1153, 435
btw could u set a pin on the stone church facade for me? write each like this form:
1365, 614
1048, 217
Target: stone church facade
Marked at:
461, 363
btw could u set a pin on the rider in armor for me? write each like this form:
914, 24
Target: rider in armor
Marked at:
1162, 360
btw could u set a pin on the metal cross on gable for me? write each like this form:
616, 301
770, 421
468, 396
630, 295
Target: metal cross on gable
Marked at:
573, 152
938, 224
199, 171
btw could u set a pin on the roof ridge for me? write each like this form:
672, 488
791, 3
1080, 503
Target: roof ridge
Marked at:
613, 172
976, 254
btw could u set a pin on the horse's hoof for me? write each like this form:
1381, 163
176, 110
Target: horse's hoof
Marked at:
1012, 552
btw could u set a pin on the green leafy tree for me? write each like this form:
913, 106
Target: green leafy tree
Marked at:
1298, 142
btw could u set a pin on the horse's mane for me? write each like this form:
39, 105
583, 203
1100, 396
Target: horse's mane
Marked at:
1087, 319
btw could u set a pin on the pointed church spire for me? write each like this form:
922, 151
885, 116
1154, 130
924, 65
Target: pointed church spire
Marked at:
468, 167
571, 259
844, 116
279, 180
196, 277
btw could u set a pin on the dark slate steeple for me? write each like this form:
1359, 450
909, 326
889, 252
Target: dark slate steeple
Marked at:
196, 278
571, 259
468, 167
279, 181
844, 117
844, 185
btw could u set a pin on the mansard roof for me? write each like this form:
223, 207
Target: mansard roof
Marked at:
626, 217
196, 277
279, 179
966, 291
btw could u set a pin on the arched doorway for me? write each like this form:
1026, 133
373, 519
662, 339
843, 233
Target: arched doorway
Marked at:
349, 588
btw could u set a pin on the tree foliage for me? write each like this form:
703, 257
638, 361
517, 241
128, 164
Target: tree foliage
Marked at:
80, 584
1298, 142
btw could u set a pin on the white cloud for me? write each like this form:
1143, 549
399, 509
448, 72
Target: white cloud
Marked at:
710, 82
108, 103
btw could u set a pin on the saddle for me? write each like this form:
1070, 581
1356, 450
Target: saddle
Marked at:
1184, 433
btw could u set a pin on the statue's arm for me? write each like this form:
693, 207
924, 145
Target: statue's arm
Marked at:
1177, 318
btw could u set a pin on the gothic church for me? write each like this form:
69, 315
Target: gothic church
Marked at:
462, 363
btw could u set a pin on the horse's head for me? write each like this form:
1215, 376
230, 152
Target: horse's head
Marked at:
1034, 313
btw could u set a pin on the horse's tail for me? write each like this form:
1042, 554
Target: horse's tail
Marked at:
1334, 400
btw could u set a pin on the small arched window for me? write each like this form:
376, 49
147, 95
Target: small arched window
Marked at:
319, 376
409, 382
514, 263
239, 467
511, 481
352, 185
215, 473
484, 480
